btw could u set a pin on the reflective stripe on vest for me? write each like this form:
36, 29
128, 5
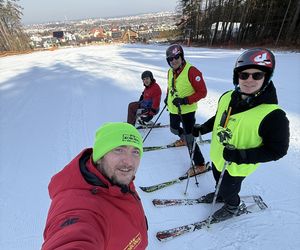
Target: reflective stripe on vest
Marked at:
183, 88
243, 128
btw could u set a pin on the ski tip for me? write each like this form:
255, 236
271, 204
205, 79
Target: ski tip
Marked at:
163, 236
143, 188
157, 203
148, 189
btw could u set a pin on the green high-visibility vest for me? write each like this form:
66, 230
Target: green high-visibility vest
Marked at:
243, 128
183, 88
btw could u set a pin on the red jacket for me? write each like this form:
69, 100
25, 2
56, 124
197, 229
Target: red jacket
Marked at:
197, 81
88, 212
150, 98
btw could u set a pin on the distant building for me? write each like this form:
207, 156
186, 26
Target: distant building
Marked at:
99, 33
58, 34
129, 36
116, 34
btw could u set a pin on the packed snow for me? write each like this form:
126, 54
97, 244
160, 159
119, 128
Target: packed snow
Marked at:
52, 102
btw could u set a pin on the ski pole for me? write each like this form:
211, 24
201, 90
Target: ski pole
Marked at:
226, 163
188, 146
192, 164
201, 142
217, 191
154, 123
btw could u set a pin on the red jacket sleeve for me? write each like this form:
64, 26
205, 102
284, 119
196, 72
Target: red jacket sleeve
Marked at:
197, 81
82, 231
156, 97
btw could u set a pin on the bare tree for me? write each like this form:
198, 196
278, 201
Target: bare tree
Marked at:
12, 37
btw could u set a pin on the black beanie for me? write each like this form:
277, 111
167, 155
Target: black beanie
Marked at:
147, 73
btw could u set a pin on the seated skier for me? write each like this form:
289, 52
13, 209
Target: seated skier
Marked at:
142, 111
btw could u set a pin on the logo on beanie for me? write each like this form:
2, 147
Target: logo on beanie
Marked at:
130, 138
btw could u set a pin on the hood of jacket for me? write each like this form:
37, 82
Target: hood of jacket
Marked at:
82, 174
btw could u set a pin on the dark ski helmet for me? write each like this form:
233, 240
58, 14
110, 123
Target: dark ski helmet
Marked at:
174, 50
147, 73
262, 59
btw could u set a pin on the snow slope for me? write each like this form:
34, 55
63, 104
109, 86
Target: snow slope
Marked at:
51, 104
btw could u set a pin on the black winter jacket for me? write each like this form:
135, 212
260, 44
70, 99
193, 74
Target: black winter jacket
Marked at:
274, 129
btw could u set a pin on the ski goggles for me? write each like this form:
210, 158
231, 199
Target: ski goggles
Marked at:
171, 58
255, 75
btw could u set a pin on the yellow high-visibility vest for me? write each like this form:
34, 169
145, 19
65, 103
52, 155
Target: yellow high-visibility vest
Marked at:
183, 88
243, 128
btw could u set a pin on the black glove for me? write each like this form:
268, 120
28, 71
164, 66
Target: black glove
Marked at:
197, 130
237, 156
180, 101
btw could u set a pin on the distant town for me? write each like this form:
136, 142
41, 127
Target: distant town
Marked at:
145, 28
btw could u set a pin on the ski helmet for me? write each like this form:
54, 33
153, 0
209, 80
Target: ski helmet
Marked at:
147, 73
262, 59
174, 50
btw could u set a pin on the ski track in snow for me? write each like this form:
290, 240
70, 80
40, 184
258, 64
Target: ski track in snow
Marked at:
51, 104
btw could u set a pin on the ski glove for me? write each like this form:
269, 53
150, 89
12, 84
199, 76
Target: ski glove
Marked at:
237, 156
180, 101
199, 129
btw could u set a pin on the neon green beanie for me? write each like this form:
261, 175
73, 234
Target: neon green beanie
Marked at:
115, 134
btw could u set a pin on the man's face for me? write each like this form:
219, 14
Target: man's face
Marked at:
120, 164
175, 61
251, 80
147, 81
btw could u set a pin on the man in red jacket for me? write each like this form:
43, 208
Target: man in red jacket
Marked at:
186, 87
149, 101
94, 202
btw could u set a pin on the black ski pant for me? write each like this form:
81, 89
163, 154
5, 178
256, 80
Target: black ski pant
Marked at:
230, 187
188, 121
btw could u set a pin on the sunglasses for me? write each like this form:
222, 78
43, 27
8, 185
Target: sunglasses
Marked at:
255, 75
171, 58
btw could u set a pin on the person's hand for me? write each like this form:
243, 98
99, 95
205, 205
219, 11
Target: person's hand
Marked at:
197, 130
180, 101
237, 156
200, 129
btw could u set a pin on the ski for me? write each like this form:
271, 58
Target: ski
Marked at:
171, 145
186, 202
156, 187
152, 148
157, 125
178, 231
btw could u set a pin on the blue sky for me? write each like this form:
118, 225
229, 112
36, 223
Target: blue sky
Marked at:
39, 11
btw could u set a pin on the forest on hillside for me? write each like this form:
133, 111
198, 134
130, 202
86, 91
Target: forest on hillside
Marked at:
241, 22
236, 23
